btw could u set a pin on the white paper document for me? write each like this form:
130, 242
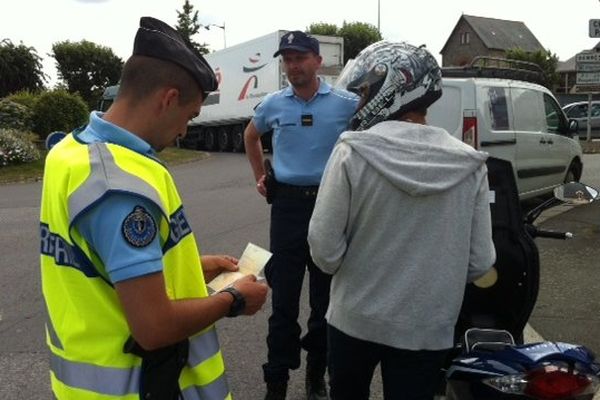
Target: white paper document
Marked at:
252, 261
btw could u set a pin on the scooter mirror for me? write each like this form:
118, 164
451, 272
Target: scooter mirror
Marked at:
575, 193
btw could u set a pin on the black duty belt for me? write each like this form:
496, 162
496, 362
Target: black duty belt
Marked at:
297, 192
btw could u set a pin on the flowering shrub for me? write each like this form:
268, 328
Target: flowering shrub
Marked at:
15, 115
16, 148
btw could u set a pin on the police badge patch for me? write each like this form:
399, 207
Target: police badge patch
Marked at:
139, 228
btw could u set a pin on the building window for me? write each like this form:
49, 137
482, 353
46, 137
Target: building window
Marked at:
465, 38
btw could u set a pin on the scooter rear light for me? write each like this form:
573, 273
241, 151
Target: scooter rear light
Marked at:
554, 383
511, 384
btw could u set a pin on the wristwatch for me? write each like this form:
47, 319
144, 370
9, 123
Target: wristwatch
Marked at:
239, 303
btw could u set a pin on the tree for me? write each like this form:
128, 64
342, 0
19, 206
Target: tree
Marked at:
86, 68
357, 35
323, 28
188, 26
544, 58
20, 68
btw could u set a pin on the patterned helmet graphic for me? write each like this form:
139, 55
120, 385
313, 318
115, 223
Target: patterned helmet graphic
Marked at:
391, 78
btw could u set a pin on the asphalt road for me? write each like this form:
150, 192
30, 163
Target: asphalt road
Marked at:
226, 213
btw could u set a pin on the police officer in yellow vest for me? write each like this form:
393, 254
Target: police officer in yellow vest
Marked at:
124, 285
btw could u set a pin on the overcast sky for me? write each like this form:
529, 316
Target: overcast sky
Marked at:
561, 27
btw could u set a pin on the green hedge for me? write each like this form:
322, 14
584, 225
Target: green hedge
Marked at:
25, 98
58, 110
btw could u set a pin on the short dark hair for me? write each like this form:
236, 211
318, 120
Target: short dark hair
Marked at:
141, 76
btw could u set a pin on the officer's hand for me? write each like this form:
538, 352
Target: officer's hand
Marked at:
260, 185
213, 265
254, 292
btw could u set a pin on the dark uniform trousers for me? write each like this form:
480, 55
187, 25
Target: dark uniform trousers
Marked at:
291, 210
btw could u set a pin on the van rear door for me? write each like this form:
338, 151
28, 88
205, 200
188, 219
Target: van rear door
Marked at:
497, 135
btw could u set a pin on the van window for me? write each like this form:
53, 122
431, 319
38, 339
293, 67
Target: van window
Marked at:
554, 119
498, 109
527, 110
447, 111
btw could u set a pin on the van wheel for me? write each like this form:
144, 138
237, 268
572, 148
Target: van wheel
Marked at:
573, 173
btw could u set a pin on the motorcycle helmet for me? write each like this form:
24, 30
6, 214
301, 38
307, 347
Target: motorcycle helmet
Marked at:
392, 79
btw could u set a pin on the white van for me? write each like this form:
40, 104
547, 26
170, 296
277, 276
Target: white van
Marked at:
513, 120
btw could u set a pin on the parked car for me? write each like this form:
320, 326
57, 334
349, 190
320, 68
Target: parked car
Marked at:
511, 119
579, 112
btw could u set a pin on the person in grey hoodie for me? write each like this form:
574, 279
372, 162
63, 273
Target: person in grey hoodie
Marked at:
402, 222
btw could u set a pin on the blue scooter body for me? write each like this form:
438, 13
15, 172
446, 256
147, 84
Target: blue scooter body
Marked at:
466, 374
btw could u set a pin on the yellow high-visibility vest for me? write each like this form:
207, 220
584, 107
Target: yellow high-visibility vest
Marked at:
86, 327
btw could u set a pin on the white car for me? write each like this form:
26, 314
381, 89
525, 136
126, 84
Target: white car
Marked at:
516, 121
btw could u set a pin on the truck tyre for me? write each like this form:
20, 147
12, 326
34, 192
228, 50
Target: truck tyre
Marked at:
223, 139
237, 138
210, 139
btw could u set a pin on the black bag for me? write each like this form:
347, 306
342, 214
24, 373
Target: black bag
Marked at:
160, 369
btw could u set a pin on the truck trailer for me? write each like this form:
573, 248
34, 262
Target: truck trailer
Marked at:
246, 73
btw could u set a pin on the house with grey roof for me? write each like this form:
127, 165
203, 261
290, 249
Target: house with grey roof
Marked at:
479, 36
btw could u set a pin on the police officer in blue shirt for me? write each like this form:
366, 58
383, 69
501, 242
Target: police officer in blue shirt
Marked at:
306, 119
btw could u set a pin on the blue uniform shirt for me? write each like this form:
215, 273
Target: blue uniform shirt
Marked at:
103, 225
304, 132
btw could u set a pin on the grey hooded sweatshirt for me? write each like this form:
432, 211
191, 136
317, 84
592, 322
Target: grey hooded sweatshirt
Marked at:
402, 222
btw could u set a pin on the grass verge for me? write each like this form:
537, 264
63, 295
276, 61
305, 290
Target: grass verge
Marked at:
34, 171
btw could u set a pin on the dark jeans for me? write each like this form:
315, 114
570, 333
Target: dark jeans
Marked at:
406, 374
285, 274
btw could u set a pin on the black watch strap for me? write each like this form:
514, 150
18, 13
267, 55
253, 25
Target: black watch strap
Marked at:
239, 302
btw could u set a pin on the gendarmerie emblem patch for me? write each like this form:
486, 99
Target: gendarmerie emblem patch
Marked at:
139, 228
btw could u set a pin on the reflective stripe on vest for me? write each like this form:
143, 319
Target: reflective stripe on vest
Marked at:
104, 380
123, 381
217, 389
104, 171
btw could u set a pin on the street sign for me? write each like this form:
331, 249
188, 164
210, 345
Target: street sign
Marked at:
587, 65
582, 89
594, 28
587, 56
54, 138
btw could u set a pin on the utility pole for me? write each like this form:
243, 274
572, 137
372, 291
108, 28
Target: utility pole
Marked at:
378, 15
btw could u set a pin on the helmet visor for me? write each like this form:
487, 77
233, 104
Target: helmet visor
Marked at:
344, 77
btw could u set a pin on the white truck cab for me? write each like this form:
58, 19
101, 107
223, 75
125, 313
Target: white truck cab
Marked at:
511, 119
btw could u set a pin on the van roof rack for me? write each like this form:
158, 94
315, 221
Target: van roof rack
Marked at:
495, 67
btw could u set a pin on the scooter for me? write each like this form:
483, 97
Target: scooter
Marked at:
490, 360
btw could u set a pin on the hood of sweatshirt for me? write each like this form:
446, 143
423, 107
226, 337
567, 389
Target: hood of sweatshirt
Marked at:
418, 159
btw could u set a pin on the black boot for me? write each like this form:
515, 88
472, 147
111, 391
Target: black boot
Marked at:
276, 391
316, 388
